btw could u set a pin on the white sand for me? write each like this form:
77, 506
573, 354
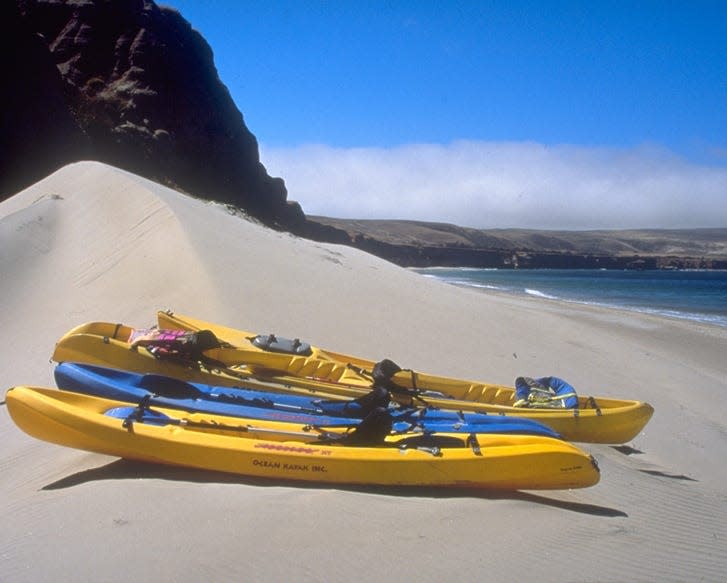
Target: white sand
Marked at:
94, 243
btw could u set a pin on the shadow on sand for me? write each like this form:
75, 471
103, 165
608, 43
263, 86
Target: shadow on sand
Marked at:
668, 475
627, 449
126, 470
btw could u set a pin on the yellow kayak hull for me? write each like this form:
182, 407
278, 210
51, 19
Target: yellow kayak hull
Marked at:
596, 420
504, 462
106, 344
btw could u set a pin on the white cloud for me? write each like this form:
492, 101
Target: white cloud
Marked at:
491, 185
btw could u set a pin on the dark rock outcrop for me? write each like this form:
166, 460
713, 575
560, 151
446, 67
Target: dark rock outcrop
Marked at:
38, 134
131, 84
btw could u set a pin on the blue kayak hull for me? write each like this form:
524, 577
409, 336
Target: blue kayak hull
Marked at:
173, 393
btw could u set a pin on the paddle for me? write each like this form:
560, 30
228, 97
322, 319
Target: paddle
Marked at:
178, 389
142, 414
372, 430
213, 353
172, 388
304, 386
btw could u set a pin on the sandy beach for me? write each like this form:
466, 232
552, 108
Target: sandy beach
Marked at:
92, 242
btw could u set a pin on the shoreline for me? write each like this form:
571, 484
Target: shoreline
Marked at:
682, 314
722, 323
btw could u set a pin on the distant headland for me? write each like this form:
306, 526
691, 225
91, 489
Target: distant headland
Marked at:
423, 244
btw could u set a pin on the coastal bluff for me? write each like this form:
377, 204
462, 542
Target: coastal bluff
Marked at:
425, 244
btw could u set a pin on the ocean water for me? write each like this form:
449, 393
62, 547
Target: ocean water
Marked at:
689, 294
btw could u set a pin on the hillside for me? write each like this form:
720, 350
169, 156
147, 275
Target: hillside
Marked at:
422, 244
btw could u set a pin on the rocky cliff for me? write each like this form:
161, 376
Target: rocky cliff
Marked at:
131, 84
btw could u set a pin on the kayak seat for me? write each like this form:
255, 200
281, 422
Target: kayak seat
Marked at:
544, 392
273, 343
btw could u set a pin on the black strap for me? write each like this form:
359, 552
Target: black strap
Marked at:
137, 414
371, 431
413, 380
425, 442
474, 444
592, 403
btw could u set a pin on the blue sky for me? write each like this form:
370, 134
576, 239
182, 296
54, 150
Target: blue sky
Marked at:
550, 114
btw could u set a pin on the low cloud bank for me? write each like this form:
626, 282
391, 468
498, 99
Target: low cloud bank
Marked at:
493, 185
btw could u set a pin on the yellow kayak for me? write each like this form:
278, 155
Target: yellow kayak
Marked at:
285, 452
594, 420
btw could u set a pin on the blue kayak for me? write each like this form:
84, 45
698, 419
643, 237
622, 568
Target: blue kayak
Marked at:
162, 391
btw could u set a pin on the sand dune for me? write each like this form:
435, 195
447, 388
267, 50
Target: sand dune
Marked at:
92, 242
